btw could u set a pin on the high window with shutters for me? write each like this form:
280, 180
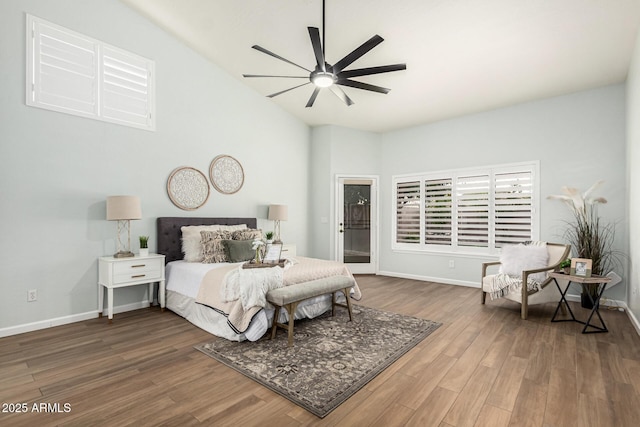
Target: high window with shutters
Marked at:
466, 211
72, 73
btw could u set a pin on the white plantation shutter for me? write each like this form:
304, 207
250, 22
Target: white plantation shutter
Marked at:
472, 196
63, 70
126, 87
72, 73
408, 212
513, 207
472, 210
437, 211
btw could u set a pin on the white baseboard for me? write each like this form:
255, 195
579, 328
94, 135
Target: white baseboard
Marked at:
634, 319
575, 298
429, 279
58, 321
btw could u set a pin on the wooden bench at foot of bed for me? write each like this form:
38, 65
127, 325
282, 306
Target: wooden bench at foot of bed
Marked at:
289, 297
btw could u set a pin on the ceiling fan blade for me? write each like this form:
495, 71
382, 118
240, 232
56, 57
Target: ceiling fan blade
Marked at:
357, 53
340, 94
364, 86
286, 90
263, 50
285, 77
313, 97
371, 70
314, 34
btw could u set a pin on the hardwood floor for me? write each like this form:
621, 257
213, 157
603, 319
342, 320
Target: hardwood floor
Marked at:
483, 367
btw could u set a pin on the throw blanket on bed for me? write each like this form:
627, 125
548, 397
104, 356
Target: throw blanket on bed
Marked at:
222, 288
250, 286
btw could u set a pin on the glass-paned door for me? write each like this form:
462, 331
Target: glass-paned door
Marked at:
356, 224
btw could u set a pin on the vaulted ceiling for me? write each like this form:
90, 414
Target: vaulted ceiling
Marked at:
462, 56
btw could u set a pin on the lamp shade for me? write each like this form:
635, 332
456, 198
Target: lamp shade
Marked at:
278, 212
123, 207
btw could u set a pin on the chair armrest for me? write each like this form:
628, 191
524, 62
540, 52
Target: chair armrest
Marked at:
527, 273
539, 270
488, 264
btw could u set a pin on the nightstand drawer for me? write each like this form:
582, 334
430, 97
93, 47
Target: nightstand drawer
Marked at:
288, 250
137, 269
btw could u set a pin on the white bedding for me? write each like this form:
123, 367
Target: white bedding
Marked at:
183, 282
185, 277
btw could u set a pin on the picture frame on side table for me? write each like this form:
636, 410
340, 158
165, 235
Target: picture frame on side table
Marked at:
581, 267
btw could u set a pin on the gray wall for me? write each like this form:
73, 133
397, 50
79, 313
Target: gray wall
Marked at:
633, 181
56, 170
578, 139
335, 151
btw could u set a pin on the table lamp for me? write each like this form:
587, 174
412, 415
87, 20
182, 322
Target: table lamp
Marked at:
123, 209
278, 213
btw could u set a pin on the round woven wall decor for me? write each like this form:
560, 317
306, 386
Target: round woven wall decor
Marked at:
188, 188
226, 173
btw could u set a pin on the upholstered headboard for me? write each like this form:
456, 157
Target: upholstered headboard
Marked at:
169, 233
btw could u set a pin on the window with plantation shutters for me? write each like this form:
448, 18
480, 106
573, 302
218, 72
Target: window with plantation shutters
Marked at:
472, 203
72, 73
513, 217
126, 91
408, 212
437, 211
466, 211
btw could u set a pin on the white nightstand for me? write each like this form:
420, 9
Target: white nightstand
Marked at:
288, 250
122, 272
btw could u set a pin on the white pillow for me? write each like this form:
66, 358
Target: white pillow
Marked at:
516, 258
191, 239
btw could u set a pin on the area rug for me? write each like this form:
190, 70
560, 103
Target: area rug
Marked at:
331, 358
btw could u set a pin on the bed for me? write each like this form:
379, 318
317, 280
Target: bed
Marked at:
184, 279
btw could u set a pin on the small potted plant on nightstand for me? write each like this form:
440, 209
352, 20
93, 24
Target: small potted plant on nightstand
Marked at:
269, 236
144, 245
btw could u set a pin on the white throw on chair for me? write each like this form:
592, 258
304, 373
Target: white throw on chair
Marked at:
525, 264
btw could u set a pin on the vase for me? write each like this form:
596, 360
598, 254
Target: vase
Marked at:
144, 251
588, 295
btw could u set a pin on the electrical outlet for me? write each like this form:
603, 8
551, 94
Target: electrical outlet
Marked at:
452, 264
32, 295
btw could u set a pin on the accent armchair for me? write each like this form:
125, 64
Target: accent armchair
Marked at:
544, 292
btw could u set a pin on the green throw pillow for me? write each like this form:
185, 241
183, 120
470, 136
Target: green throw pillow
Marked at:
239, 250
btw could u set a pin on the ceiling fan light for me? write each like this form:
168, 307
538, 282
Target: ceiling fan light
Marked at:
323, 79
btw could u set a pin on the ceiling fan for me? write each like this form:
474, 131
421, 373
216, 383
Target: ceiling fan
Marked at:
325, 75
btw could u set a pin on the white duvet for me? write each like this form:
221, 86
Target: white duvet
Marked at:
183, 281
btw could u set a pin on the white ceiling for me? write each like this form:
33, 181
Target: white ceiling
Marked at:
462, 56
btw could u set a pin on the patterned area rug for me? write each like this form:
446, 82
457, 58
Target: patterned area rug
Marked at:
331, 358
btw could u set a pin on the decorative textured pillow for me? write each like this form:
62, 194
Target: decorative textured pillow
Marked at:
212, 246
191, 239
516, 258
247, 234
239, 250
